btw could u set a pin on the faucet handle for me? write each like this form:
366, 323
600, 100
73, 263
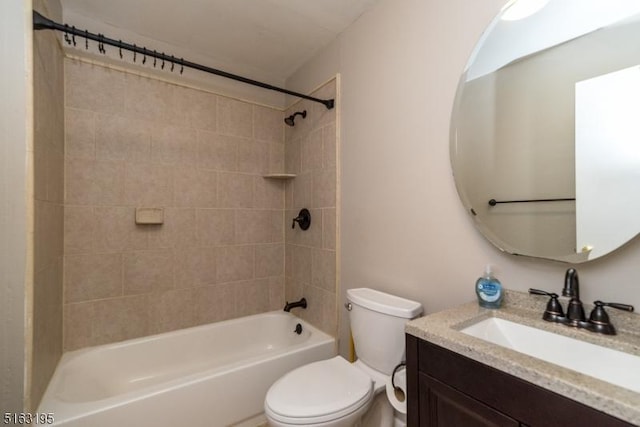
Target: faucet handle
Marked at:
599, 319
598, 315
619, 306
541, 292
553, 312
303, 219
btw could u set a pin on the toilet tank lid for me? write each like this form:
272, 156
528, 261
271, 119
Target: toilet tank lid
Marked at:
384, 303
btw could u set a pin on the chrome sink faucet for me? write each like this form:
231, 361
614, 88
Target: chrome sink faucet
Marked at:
598, 320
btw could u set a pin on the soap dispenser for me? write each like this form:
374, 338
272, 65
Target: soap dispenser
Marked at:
489, 290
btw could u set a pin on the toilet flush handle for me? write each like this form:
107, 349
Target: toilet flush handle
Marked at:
348, 306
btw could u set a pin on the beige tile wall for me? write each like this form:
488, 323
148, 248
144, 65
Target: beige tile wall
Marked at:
134, 141
310, 152
48, 206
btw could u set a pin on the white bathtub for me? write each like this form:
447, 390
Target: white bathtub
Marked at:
210, 375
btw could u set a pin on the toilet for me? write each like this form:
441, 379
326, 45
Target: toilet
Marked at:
336, 393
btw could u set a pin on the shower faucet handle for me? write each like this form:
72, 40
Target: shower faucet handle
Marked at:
303, 219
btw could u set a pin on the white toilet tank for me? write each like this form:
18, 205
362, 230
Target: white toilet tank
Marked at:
377, 325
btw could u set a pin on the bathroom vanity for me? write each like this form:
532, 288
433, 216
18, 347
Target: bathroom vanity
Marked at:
456, 379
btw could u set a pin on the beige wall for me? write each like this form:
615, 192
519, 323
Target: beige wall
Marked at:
134, 141
310, 153
48, 96
403, 228
16, 200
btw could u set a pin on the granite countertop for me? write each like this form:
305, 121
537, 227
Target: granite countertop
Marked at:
443, 328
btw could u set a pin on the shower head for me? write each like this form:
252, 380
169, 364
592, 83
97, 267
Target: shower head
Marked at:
290, 120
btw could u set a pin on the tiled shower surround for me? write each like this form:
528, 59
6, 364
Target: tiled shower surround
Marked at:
311, 153
48, 144
134, 141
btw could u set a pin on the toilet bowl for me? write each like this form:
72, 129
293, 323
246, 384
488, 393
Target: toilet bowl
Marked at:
336, 393
331, 392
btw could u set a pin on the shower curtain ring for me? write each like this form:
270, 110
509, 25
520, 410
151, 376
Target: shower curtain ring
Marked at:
66, 34
162, 67
73, 36
181, 65
154, 58
120, 48
172, 63
144, 55
86, 39
134, 52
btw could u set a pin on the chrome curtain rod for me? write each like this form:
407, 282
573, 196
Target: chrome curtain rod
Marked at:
43, 23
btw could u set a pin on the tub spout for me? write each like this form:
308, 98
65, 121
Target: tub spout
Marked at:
289, 305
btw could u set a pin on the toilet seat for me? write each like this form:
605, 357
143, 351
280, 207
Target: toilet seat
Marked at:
319, 392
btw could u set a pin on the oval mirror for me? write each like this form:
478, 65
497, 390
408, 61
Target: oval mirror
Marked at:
545, 132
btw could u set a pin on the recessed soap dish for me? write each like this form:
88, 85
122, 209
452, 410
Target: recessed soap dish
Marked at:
149, 216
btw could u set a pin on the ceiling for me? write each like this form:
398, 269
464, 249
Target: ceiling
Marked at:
263, 39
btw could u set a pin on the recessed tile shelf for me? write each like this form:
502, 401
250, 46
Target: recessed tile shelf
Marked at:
279, 176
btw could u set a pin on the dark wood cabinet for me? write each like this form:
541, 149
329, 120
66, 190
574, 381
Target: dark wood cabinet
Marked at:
446, 389
446, 407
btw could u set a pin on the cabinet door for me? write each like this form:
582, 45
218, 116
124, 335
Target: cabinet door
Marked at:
444, 406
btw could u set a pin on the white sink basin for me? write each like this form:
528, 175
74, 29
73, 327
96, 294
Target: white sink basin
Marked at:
615, 367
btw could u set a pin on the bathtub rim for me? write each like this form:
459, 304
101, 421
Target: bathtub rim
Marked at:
50, 401
73, 354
